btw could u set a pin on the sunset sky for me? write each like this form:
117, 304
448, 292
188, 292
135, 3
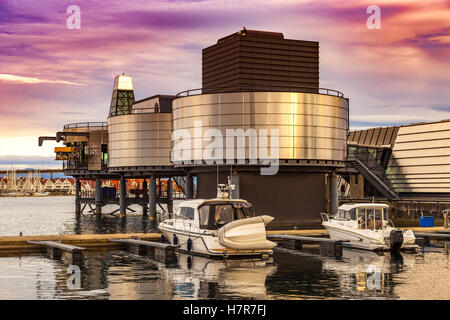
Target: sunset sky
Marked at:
51, 76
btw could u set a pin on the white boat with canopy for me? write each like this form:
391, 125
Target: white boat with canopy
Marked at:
367, 226
219, 227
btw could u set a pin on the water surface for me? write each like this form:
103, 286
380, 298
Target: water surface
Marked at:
121, 275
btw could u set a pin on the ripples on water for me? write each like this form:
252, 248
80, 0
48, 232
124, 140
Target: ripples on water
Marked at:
121, 275
291, 275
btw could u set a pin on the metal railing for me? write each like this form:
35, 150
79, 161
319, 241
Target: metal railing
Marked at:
369, 160
103, 125
258, 88
75, 164
373, 164
140, 111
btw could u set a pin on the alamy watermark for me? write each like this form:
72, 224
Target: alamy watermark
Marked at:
373, 281
74, 19
74, 280
374, 20
263, 147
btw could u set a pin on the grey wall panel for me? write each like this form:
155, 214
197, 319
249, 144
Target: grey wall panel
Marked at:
140, 140
311, 126
420, 160
308, 189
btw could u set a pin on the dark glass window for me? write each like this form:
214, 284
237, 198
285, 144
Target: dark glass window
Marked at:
214, 215
353, 214
203, 215
223, 214
188, 213
347, 215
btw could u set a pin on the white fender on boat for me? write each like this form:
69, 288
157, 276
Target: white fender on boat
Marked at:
246, 234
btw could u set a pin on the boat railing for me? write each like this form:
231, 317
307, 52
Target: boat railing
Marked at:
163, 215
391, 223
325, 216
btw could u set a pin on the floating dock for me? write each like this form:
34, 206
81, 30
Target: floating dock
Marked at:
103, 241
89, 241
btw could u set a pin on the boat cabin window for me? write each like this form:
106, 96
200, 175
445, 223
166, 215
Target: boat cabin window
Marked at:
243, 210
345, 215
215, 215
370, 218
203, 212
223, 214
187, 213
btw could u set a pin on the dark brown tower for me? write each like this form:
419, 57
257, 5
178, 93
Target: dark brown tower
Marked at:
251, 60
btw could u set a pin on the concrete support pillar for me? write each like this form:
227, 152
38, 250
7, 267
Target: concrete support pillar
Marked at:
152, 197
144, 196
77, 196
169, 196
334, 199
123, 197
98, 196
189, 187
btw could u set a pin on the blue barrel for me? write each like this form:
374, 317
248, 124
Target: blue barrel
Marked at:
427, 221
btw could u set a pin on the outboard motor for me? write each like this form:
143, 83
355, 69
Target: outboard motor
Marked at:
396, 240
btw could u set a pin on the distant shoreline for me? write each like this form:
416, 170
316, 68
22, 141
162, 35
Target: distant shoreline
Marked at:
31, 196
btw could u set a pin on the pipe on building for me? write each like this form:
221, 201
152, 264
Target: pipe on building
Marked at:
98, 196
123, 197
144, 195
235, 182
189, 187
77, 196
334, 200
169, 196
152, 197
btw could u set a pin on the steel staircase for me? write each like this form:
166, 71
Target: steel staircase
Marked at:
181, 183
374, 174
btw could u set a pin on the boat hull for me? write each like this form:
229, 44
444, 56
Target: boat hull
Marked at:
358, 240
207, 245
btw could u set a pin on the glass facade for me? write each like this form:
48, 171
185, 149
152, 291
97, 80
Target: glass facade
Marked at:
123, 96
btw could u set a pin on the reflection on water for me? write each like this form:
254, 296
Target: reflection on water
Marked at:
289, 275
203, 278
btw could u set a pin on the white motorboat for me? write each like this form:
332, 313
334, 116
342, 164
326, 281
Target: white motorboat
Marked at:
367, 226
219, 227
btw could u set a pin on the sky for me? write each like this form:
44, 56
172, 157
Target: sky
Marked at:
51, 75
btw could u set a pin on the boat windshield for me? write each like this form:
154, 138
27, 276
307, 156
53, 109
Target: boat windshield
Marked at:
345, 214
370, 218
216, 215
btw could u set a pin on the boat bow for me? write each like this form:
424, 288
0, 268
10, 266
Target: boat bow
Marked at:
246, 234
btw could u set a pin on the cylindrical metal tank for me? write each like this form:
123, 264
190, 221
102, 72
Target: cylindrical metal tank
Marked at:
139, 140
310, 126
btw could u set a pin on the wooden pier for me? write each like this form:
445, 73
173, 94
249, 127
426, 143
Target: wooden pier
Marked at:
328, 247
162, 252
12, 244
57, 250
